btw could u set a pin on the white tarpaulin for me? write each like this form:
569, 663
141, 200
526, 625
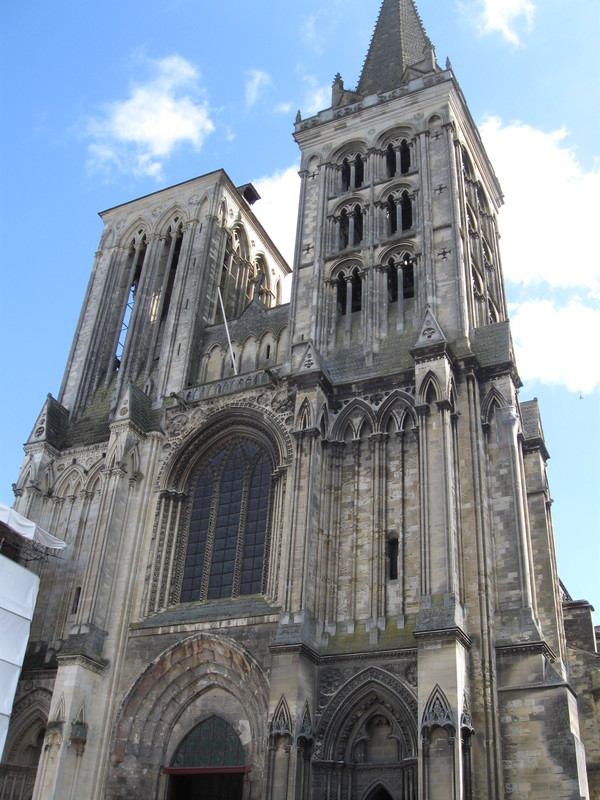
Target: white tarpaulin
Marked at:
18, 593
28, 529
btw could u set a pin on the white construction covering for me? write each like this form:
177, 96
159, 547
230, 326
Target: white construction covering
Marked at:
28, 529
18, 593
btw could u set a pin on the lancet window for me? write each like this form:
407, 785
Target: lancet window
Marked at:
259, 284
397, 159
406, 211
350, 227
235, 274
400, 273
161, 297
353, 172
349, 292
227, 539
133, 273
392, 556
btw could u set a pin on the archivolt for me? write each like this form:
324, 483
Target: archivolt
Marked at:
174, 680
355, 700
29, 713
236, 421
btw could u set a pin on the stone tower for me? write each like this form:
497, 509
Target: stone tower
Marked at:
310, 552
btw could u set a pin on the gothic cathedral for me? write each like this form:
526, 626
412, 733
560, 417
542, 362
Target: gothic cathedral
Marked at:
310, 553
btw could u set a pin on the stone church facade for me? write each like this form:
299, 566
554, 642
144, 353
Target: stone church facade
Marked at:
317, 564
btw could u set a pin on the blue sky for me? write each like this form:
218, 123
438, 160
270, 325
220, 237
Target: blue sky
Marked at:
102, 103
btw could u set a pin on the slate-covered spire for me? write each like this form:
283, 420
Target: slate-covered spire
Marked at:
399, 41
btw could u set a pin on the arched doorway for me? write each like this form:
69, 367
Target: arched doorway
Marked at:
380, 794
209, 763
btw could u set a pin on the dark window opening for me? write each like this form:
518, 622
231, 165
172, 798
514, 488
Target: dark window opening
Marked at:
345, 175
359, 172
358, 225
390, 160
171, 279
356, 291
76, 598
407, 212
392, 213
408, 277
344, 229
341, 295
404, 157
392, 282
393, 559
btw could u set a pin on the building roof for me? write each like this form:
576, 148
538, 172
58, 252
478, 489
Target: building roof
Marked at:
399, 41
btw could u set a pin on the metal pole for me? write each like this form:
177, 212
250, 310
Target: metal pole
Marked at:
227, 331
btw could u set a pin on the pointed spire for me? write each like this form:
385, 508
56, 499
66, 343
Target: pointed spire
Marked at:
399, 41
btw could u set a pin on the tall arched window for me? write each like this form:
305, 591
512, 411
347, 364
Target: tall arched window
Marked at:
349, 292
358, 225
229, 523
390, 161
345, 175
234, 274
135, 263
407, 212
165, 280
353, 172
359, 174
392, 214
344, 229
404, 157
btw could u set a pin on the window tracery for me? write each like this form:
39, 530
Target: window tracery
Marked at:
228, 529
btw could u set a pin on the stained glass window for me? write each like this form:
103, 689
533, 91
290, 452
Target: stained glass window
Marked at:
229, 523
212, 743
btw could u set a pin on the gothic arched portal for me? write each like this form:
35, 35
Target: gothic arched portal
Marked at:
209, 762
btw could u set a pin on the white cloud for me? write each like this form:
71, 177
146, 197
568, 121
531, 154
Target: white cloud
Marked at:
316, 96
278, 208
501, 16
283, 108
549, 254
549, 221
557, 345
312, 32
256, 83
138, 134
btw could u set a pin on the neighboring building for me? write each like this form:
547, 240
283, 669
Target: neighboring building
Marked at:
331, 575
24, 549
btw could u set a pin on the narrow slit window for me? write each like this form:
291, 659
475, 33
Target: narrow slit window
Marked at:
393, 559
407, 211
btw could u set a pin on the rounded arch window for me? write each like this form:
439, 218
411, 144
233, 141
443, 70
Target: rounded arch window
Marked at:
227, 540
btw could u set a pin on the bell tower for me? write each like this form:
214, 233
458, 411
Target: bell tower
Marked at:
417, 528
399, 203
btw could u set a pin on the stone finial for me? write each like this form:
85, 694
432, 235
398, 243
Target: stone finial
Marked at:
337, 91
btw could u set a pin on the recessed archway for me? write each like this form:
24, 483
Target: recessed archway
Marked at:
379, 794
209, 762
